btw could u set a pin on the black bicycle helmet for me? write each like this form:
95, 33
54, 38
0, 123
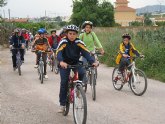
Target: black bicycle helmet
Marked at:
126, 35
54, 30
87, 23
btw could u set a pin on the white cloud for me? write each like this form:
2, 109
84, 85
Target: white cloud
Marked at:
36, 8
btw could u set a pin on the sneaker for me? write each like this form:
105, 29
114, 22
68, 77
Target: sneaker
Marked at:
35, 66
61, 109
46, 76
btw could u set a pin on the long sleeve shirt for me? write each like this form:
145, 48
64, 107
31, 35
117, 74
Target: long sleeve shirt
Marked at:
69, 52
90, 40
17, 41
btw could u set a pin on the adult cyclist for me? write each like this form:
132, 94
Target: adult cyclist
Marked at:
17, 42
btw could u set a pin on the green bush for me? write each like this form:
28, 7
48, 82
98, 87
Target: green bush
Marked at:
151, 43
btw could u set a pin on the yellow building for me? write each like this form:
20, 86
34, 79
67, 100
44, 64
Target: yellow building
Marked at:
124, 14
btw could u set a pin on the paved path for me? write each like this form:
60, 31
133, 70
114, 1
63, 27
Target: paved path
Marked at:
24, 100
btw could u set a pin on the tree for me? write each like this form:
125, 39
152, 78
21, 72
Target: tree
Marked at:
101, 14
2, 3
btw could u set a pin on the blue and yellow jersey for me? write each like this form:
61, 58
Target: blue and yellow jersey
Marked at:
130, 50
70, 52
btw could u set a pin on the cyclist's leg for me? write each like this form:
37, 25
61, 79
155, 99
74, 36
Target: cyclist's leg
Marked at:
81, 72
122, 64
26, 43
64, 74
84, 79
38, 57
14, 52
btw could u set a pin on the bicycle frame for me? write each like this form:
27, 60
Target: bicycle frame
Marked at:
41, 59
73, 82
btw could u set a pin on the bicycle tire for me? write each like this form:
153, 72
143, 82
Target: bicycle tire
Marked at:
42, 73
96, 73
51, 65
94, 87
56, 69
145, 83
19, 69
84, 101
114, 81
85, 87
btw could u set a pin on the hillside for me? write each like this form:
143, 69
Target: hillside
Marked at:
151, 9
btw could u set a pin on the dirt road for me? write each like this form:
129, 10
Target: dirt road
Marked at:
24, 100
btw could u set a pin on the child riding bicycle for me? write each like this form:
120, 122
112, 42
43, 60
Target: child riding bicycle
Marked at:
68, 53
126, 52
41, 43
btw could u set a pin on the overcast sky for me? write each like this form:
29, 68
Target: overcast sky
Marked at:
36, 8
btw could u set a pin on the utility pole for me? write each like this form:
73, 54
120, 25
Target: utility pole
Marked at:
4, 14
9, 14
45, 13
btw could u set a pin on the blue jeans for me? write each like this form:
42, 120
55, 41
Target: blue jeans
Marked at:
124, 62
64, 74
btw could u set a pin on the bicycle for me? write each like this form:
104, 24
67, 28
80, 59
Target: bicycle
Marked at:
53, 62
92, 74
76, 96
41, 64
18, 60
134, 77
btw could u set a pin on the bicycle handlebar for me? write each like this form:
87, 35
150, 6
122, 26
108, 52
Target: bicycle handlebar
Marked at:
96, 53
79, 65
41, 51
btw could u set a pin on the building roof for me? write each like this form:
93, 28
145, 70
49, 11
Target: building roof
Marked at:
124, 9
18, 20
160, 19
139, 18
121, 1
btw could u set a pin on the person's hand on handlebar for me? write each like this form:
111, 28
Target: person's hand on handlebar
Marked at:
125, 55
63, 64
96, 64
142, 57
102, 51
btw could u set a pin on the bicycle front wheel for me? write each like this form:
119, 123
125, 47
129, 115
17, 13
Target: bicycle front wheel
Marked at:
19, 67
93, 85
42, 73
138, 82
79, 106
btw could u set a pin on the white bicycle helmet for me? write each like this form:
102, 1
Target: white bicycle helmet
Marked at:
72, 28
87, 23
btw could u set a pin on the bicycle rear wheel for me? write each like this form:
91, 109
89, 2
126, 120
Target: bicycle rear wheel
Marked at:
138, 83
116, 79
79, 106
